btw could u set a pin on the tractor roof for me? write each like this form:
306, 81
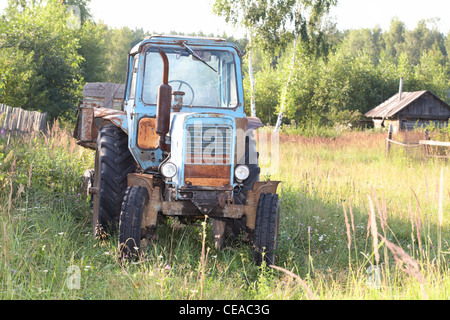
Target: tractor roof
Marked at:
178, 40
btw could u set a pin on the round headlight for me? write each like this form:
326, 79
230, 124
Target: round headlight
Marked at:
242, 172
169, 170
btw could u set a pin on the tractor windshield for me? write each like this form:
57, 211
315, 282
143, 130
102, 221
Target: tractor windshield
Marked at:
207, 78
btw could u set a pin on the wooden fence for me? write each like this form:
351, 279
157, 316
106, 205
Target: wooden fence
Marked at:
425, 144
17, 120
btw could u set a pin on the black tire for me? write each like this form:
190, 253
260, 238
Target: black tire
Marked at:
266, 229
130, 224
113, 162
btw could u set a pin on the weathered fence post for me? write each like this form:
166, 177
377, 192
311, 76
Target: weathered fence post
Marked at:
388, 141
425, 146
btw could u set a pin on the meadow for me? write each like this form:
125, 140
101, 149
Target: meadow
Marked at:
355, 224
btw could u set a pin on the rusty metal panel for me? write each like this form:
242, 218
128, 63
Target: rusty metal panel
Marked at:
147, 136
234, 211
140, 180
265, 187
91, 118
207, 175
87, 120
149, 218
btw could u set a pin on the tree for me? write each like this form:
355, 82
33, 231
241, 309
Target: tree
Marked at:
420, 40
118, 42
394, 39
301, 103
357, 75
273, 24
237, 12
39, 59
367, 41
91, 38
93, 48
433, 72
268, 84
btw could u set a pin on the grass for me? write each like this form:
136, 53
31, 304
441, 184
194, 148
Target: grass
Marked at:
322, 176
332, 188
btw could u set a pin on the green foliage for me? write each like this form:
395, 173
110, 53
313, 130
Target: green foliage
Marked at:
118, 42
47, 54
39, 62
51, 163
267, 88
45, 61
92, 47
47, 229
358, 74
274, 24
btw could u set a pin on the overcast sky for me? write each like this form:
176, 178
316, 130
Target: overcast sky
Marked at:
186, 16
196, 15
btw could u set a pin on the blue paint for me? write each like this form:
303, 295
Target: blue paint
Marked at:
136, 108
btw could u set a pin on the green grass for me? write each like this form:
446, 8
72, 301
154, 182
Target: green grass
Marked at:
46, 229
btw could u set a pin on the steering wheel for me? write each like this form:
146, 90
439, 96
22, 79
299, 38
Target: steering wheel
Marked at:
181, 82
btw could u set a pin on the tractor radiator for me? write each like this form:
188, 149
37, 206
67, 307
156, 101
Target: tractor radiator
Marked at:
208, 155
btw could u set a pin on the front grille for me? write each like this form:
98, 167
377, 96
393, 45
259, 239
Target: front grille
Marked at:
209, 144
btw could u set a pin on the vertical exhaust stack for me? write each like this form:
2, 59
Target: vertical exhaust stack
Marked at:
163, 104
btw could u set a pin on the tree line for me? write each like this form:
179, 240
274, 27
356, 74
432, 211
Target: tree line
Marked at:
359, 70
48, 53
50, 49
296, 63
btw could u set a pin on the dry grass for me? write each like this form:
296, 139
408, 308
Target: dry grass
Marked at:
385, 197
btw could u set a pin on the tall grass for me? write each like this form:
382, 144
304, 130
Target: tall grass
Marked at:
326, 178
354, 225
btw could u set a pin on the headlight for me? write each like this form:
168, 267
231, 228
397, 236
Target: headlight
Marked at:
242, 172
169, 170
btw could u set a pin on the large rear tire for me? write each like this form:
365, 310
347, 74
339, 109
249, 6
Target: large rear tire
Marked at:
113, 162
130, 224
266, 229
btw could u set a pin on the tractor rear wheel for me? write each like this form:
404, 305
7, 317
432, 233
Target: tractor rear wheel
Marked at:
266, 229
130, 224
113, 162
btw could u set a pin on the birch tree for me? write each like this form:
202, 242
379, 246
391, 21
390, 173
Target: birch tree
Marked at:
272, 24
237, 12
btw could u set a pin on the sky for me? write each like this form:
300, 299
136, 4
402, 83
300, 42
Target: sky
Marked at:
187, 16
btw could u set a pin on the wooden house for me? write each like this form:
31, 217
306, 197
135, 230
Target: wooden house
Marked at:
407, 110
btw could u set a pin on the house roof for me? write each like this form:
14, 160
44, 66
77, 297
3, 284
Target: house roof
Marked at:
392, 106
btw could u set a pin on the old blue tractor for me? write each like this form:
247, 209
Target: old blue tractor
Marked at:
178, 145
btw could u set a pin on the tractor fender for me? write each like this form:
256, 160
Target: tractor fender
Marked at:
119, 120
91, 118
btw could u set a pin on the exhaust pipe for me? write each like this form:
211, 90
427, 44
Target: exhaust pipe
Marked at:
163, 104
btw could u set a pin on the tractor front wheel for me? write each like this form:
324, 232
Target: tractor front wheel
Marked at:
266, 229
130, 223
